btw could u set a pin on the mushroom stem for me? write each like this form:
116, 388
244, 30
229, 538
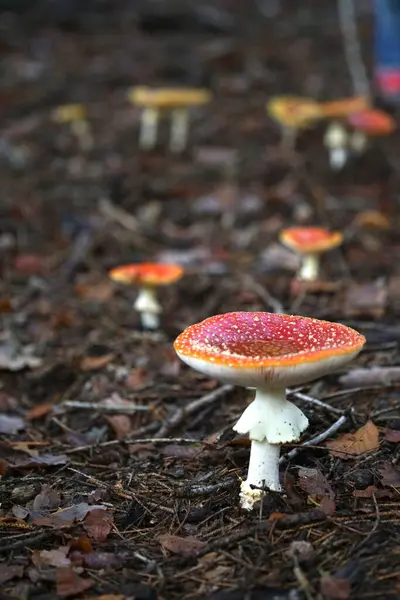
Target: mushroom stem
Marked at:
149, 308
263, 473
270, 420
148, 128
309, 267
179, 130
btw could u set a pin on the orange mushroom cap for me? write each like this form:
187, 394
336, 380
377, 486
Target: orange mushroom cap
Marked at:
306, 240
372, 122
266, 347
168, 97
294, 111
150, 274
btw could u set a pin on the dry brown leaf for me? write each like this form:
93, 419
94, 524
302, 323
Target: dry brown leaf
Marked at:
314, 482
351, 445
70, 584
39, 411
121, 424
392, 435
8, 572
335, 588
98, 524
276, 515
328, 506
390, 475
365, 300
102, 291
92, 363
183, 546
52, 558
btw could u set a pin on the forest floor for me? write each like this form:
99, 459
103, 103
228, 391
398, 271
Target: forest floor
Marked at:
115, 482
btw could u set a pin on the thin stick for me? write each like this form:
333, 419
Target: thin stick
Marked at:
95, 407
316, 402
352, 47
315, 440
181, 413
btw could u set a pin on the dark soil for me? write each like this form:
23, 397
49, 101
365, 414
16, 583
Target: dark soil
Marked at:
95, 412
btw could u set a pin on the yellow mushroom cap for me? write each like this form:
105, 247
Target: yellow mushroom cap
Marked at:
169, 97
294, 111
67, 113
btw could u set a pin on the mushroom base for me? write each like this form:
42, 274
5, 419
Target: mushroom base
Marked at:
263, 473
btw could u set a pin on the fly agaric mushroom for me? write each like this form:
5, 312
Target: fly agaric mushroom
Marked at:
147, 276
293, 113
174, 100
367, 124
310, 242
344, 106
336, 139
269, 352
75, 115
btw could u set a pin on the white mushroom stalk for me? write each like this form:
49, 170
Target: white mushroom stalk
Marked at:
148, 128
149, 308
309, 269
336, 140
179, 130
270, 420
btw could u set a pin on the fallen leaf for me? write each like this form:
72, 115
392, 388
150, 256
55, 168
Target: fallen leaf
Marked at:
390, 475
392, 435
70, 584
39, 411
314, 482
367, 493
121, 424
98, 524
65, 516
372, 219
335, 588
47, 499
53, 558
351, 445
29, 264
101, 291
82, 543
8, 572
187, 546
11, 425
92, 363
328, 506
367, 300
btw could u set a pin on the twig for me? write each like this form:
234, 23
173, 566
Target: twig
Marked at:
25, 541
205, 490
95, 407
181, 413
316, 402
315, 440
118, 215
127, 441
352, 47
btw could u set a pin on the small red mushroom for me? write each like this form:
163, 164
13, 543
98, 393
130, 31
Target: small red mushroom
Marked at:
368, 124
310, 242
147, 276
269, 352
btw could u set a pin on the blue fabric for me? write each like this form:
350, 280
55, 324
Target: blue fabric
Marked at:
387, 34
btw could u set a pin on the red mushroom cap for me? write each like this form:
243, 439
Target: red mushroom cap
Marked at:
372, 122
150, 274
252, 348
307, 240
